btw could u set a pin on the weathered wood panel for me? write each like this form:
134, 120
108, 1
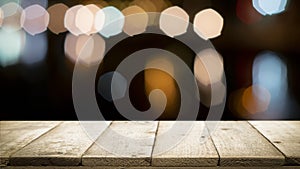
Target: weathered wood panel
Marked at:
239, 144
193, 148
126, 143
285, 135
63, 145
16, 134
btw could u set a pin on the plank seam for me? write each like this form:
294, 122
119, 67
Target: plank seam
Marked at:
219, 157
154, 141
285, 157
84, 153
54, 127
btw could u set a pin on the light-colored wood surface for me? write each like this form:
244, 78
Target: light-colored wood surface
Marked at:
123, 144
63, 145
285, 135
195, 148
15, 135
132, 144
239, 144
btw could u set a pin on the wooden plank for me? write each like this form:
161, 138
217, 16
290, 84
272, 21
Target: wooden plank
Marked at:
16, 134
148, 167
63, 145
285, 135
194, 147
239, 144
126, 143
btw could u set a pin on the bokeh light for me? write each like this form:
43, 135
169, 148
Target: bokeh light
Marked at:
57, 15
208, 24
246, 13
35, 49
208, 70
11, 45
266, 7
256, 99
99, 20
70, 18
174, 21
88, 50
147, 5
114, 22
136, 20
1, 17
35, 19
96, 25
27, 3
84, 20
11, 16
107, 89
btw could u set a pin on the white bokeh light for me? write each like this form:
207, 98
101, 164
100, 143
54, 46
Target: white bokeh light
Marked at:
266, 7
208, 24
114, 22
174, 21
11, 16
70, 18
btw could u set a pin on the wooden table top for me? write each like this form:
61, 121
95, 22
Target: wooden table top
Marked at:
46, 144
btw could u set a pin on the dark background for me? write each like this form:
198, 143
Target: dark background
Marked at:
43, 91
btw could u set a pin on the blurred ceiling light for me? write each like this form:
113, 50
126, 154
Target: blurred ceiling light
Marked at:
35, 19
112, 84
174, 21
1, 17
88, 50
114, 22
84, 20
208, 67
11, 16
266, 7
57, 14
99, 20
26, 3
256, 99
208, 24
35, 49
70, 18
246, 13
136, 20
11, 45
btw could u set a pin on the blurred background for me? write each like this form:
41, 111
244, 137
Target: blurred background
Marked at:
258, 45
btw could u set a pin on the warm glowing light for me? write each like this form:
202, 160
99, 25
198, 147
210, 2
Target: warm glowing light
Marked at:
35, 49
208, 24
174, 21
70, 18
246, 13
256, 99
96, 24
35, 19
11, 45
136, 20
208, 70
266, 7
114, 22
107, 89
208, 67
147, 5
88, 50
26, 3
157, 79
57, 14
11, 16
84, 20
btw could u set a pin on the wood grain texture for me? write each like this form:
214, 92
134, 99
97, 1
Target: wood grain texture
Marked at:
239, 144
63, 145
193, 147
16, 134
126, 143
285, 135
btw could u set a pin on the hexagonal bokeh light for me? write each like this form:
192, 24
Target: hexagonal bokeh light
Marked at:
266, 7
